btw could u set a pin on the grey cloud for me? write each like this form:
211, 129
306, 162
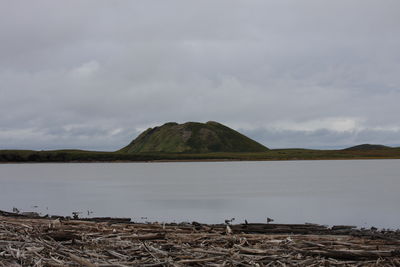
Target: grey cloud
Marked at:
323, 139
99, 66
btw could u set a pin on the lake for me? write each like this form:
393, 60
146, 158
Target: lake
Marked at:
355, 192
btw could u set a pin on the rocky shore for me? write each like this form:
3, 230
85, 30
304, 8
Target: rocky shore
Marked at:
29, 241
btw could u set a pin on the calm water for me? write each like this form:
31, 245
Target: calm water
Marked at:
359, 192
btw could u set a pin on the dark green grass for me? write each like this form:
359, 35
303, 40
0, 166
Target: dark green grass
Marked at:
192, 137
274, 154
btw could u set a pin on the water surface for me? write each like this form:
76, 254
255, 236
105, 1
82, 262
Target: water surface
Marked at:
357, 192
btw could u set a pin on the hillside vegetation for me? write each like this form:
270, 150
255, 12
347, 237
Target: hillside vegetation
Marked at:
193, 141
366, 147
273, 154
192, 137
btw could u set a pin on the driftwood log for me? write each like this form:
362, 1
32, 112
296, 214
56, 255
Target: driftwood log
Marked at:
26, 241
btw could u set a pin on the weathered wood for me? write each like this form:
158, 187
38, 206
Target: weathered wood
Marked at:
107, 219
197, 260
82, 261
343, 227
64, 242
351, 254
10, 214
63, 236
147, 236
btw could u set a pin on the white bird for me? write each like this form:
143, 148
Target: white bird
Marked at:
228, 230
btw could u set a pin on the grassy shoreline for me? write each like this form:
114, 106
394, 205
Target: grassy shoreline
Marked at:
19, 156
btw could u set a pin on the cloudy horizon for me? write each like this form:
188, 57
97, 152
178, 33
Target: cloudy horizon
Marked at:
93, 74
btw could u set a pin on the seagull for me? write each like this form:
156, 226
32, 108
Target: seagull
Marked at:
15, 210
228, 230
229, 221
75, 214
269, 220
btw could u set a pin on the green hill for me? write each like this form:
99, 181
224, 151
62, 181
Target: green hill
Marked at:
192, 137
365, 147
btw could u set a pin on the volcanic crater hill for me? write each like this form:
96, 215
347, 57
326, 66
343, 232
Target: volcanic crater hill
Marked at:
192, 137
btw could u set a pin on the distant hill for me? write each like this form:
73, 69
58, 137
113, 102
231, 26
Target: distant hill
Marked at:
192, 137
368, 147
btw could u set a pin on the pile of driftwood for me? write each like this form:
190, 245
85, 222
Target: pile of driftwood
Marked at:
27, 241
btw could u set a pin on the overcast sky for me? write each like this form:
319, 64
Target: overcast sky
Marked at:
93, 74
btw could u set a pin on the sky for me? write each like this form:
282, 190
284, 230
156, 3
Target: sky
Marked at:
93, 74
